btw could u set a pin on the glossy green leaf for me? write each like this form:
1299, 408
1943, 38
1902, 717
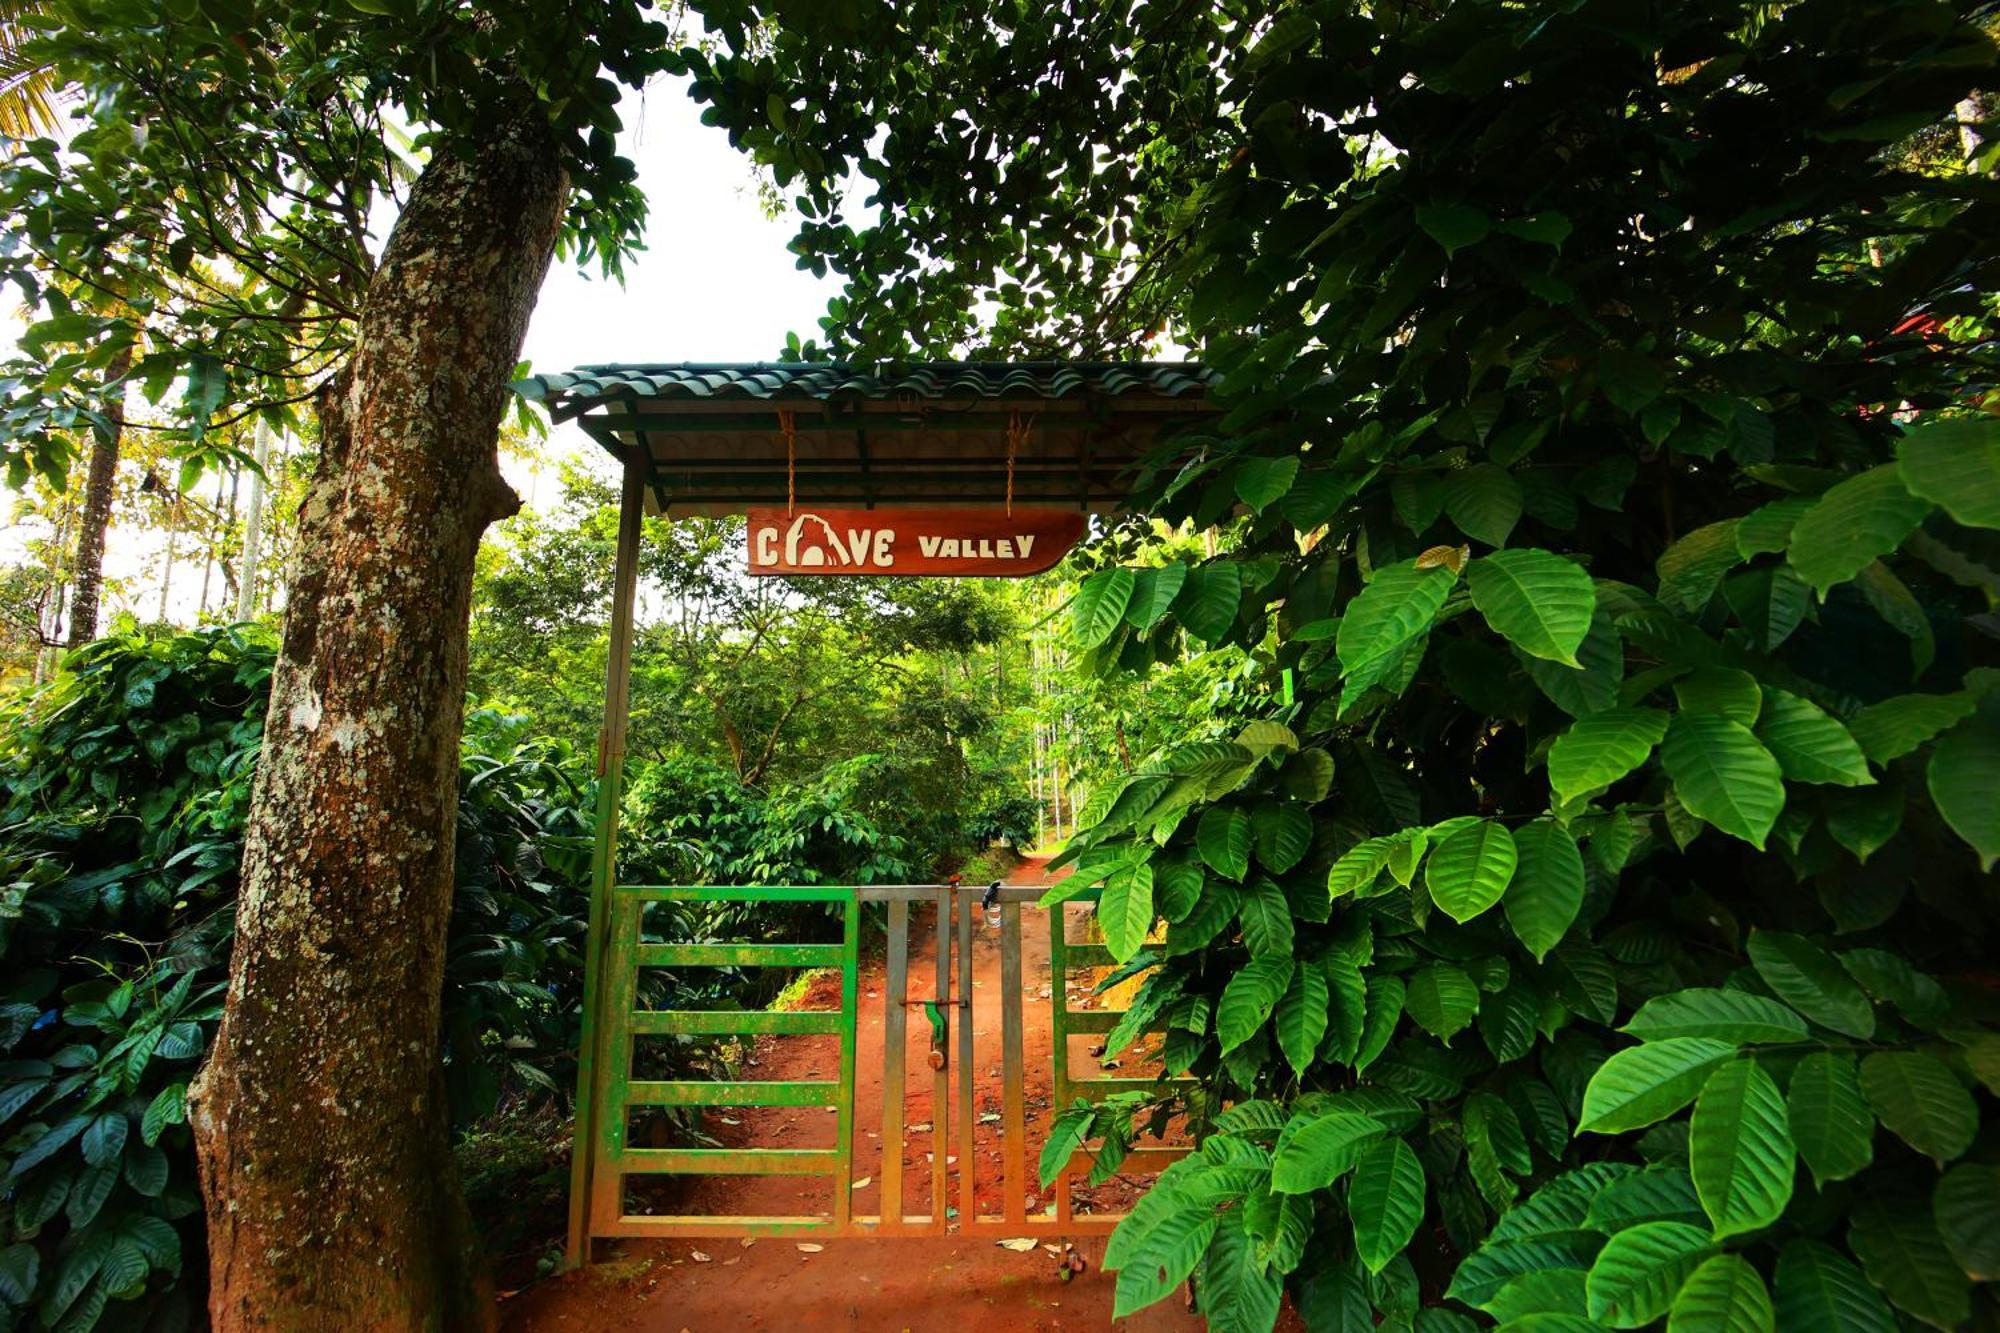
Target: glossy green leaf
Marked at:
1808, 745
1260, 482
1247, 1001
1301, 1017
1896, 1238
1919, 1100
1441, 999
1819, 1291
1385, 1201
1648, 1083
1830, 1122
1641, 1269
1314, 1151
1100, 604
1209, 600
1538, 601
1267, 919
1692, 568
1894, 727
1723, 775
1484, 503
1740, 1150
1966, 1207
1802, 974
1955, 465
1603, 747
1853, 524
1397, 606
1724, 1295
1728, 1015
1768, 528
1591, 688
1222, 838
1656, 1194
1543, 898
1125, 909
1153, 594
1165, 1254
1470, 869
1964, 783
1282, 833
1725, 690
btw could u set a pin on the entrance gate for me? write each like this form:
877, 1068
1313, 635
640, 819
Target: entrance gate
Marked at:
941, 997
724, 439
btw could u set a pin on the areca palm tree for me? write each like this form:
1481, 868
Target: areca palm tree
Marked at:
27, 86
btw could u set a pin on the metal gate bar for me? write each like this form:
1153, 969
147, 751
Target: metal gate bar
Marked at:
612, 1089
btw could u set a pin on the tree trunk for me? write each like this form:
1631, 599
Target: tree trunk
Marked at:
98, 492
320, 1119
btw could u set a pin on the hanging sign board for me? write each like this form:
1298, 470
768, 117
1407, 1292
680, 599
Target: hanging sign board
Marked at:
989, 542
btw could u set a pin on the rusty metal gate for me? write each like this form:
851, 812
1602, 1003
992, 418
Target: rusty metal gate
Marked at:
942, 998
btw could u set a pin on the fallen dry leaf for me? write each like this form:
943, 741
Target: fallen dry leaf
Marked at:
700, 1257
863, 1183
1018, 1244
810, 1247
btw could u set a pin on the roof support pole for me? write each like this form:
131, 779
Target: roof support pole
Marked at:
590, 1067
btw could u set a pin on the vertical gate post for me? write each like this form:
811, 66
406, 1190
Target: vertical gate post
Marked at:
604, 860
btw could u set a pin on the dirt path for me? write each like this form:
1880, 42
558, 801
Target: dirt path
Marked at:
949, 1284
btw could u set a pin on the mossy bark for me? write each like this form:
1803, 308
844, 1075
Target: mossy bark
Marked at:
320, 1121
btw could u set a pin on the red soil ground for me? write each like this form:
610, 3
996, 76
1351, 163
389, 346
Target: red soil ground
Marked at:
948, 1284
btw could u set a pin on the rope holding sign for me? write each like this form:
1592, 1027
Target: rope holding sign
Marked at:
788, 424
1017, 432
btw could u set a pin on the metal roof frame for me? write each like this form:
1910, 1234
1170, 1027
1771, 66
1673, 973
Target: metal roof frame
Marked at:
709, 437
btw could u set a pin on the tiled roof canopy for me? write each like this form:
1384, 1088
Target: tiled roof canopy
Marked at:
711, 439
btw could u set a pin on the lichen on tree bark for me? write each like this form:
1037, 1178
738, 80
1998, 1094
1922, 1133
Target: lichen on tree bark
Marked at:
320, 1120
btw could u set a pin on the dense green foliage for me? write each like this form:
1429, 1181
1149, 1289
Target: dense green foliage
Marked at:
1613, 512
127, 784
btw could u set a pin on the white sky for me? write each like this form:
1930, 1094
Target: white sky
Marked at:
714, 282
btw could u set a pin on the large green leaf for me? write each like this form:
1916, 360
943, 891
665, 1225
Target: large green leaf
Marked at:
1820, 1292
1656, 1194
1896, 1238
1153, 594
1964, 782
1441, 999
1853, 524
1725, 690
1921, 1102
1267, 919
1239, 1292
1125, 909
1801, 974
1484, 501
1831, 1124
1728, 1015
1644, 1084
1262, 481
1592, 688
1314, 1151
1603, 747
1538, 601
1358, 867
1808, 745
1282, 832
1739, 1149
1222, 839
1100, 604
1692, 568
1470, 869
1209, 600
1385, 1201
1164, 1256
1955, 465
1724, 1295
1894, 727
1397, 606
1723, 775
1768, 528
1966, 1207
1641, 1269
1252, 993
1301, 1016
1543, 898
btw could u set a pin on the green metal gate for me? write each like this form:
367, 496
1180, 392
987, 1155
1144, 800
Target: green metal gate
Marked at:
607, 1162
